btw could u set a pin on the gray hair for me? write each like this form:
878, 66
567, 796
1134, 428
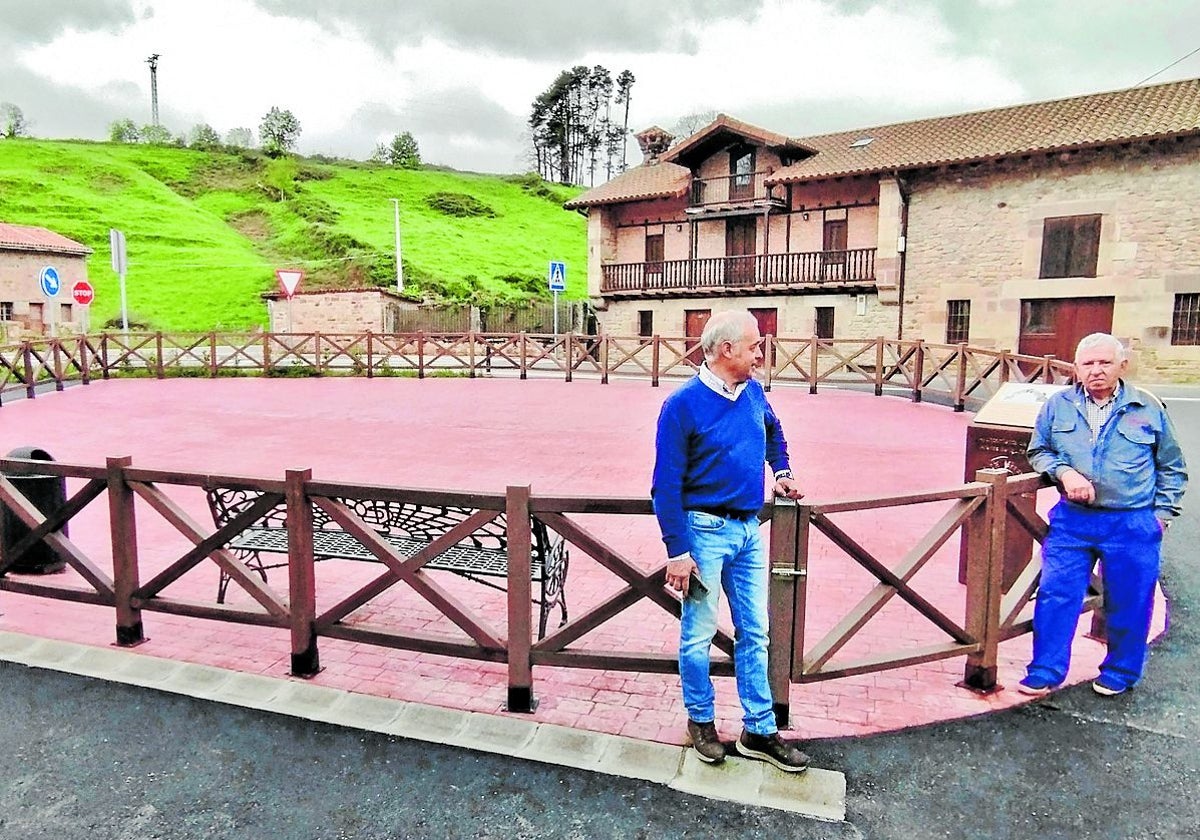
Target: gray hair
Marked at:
729, 325
1102, 340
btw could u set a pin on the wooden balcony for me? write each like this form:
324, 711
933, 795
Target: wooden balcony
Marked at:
732, 192
764, 271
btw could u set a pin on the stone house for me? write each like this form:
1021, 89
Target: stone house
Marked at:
1020, 228
25, 310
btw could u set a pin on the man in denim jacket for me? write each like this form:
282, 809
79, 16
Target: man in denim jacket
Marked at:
1112, 450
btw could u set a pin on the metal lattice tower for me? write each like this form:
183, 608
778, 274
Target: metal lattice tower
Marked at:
153, 62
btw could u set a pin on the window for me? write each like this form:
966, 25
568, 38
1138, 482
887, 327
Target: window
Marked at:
1070, 246
1037, 316
645, 322
1185, 323
6, 310
824, 322
958, 321
741, 173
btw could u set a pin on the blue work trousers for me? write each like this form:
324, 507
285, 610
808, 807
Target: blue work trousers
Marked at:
730, 555
1128, 545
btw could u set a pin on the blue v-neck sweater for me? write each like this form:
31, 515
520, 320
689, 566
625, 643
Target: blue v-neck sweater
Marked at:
709, 453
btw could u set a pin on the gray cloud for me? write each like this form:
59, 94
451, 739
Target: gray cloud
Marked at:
40, 22
530, 28
457, 127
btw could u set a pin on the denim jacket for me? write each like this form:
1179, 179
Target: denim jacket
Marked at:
1135, 461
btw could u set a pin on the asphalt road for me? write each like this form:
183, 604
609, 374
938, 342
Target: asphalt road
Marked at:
81, 758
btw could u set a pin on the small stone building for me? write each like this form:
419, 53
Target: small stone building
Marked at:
25, 310
337, 311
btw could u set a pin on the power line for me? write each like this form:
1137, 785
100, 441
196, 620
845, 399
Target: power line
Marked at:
1168, 67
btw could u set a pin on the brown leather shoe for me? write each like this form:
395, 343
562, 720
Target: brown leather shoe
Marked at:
771, 748
706, 742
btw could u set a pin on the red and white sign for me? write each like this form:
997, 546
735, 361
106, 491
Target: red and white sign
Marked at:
83, 293
289, 280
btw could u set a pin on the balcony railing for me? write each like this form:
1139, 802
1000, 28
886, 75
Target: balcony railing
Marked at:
813, 268
726, 190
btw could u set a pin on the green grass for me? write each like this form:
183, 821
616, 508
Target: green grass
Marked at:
205, 231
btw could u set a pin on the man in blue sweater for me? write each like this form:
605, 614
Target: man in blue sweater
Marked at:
714, 435
1112, 451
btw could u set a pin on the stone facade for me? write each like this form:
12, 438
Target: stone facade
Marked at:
977, 235
26, 311
337, 311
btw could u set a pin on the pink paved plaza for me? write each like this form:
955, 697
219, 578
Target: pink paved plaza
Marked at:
580, 438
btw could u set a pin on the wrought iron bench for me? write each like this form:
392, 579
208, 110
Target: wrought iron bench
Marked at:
481, 556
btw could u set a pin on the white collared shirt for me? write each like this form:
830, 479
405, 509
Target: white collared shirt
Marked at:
718, 385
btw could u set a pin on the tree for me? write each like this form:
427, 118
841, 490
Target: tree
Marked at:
570, 123
156, 135
12, 121
279, 131
240, 138
123, 131
624, 86
689, 124
203, 136
402, 152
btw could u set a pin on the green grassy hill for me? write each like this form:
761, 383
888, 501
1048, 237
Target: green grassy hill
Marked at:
205, 231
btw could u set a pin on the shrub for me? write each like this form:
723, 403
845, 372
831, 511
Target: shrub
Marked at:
458, 204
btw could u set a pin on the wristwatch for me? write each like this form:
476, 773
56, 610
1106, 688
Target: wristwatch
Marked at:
783, 474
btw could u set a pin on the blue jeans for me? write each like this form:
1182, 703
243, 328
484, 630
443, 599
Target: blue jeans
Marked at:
728, 552
1127, 543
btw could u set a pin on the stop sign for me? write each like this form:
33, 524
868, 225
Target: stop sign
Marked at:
83, 293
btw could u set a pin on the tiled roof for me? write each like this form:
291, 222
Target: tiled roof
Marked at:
724, 123
40, 240
658, 180
1142, 113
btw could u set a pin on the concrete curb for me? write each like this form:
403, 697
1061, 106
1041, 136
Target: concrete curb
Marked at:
815, 793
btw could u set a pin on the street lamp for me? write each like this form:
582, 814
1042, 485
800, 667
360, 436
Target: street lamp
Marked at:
399, 265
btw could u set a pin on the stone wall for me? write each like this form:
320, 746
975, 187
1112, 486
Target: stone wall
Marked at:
33, 312
977, 235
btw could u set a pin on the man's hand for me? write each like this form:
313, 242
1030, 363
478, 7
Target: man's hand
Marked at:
1077, 487
789, 488
678, 572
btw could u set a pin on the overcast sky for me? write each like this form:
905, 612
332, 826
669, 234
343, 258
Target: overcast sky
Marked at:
461, 74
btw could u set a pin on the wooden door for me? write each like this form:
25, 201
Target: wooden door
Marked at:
1053, 327
768, 321
654, 255
833, 249
693, 326
740, 242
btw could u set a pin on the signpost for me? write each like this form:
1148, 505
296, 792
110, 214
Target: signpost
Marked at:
557, 275
116, 245
289, 280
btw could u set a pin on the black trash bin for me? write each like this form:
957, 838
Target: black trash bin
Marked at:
48, 493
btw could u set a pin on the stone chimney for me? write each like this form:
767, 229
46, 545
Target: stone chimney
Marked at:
654, 141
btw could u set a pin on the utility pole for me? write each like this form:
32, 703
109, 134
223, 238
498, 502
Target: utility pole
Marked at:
153, 62
399, 266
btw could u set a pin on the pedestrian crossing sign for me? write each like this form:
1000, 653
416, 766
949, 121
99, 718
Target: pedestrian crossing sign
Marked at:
558, 276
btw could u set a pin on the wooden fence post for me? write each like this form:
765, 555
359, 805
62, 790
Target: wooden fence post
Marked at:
84, 364
960, 385
104, 372
370, 354
919, 371
786, 574
159, 364
302, 592
212, 355
56, 353
266, 353
524, 358
604, 358
985, 569
569, 353
123, 529
471, 353
27, 353
814, 360
879, 366
317, 363
520, 593
654, 356
768, 360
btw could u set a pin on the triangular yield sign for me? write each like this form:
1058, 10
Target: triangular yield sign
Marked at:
289, 279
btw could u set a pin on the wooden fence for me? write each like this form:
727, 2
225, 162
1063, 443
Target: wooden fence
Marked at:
958, 375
